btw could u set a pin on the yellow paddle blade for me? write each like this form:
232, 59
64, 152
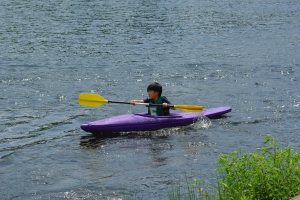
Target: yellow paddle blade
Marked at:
93, 100
189, 108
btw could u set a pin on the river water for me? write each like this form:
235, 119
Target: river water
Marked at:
243, 54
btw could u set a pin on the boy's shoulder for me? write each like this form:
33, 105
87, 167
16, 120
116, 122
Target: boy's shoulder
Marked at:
165, 100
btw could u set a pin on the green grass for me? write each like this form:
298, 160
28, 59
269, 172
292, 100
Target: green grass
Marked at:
191, 191
269, 173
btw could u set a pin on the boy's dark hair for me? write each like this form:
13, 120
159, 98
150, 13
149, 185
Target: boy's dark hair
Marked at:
156, 87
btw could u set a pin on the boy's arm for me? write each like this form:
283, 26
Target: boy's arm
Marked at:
136, 101
166, 105
166, 102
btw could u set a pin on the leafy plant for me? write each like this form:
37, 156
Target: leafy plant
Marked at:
269, 173
191, 191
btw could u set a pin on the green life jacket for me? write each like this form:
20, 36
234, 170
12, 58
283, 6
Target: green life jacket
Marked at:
156, 110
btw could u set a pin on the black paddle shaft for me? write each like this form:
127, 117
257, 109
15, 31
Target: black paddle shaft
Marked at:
119, 102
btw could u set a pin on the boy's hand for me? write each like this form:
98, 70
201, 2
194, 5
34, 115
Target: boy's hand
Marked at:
165, 105
132, 102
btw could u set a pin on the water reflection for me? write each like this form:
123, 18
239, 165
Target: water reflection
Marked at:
100, 139
130, 146
95, 141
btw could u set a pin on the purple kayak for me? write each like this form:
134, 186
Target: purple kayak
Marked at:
145, 122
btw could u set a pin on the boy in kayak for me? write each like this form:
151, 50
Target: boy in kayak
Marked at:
154, 92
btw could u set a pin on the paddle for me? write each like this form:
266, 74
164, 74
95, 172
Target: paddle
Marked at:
95, 100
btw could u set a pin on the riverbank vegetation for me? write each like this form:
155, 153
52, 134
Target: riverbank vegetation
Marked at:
267, 173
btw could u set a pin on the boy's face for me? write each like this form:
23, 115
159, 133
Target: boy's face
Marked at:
152, 94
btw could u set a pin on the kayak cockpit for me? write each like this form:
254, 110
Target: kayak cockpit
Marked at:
172, 115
